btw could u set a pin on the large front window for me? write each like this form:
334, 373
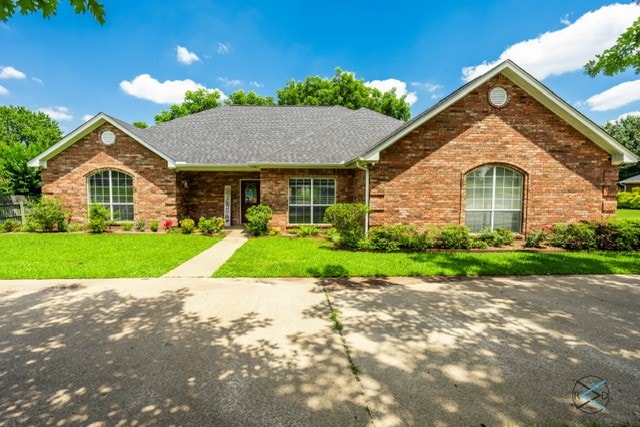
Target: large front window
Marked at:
494, 199
309, 198
114, 190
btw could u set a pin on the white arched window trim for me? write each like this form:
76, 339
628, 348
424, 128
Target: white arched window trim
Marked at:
494, 198
114, 190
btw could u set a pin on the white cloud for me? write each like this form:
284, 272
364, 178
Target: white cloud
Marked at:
568, 49
37, 80
186, 57
57, 113
230, 82
11, 73
565, 20
256, 84
400, 87
619, 95
224, 48
3, 90
625, 115
168, 92
433, 89
87, 117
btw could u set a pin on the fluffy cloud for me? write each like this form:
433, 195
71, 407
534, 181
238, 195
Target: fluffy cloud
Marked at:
57, 113
398, 85
11, 73
186, 57
619, 95
256, 84
87, 117
568, 49
3, 90
432, 89
168, 92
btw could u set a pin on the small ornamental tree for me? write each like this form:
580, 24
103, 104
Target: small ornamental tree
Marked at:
348, 219
47, 214
259, 217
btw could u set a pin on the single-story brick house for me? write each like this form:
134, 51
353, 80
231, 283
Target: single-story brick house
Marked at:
501, 151
630, 183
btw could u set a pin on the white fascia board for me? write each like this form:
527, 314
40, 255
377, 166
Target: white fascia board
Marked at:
40, 161
619, 153
299, 165
183, 166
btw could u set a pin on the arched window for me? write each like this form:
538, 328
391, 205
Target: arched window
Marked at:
494, 199
114, 190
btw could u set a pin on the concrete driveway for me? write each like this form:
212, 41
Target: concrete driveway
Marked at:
262, 352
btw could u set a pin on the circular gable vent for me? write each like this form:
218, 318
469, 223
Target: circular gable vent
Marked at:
107, 137
498, 96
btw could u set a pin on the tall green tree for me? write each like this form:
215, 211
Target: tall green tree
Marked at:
194, 102
627, 132
23, 135
345, 90
240, 97
49, 8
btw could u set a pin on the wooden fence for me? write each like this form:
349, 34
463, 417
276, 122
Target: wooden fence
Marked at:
14, 207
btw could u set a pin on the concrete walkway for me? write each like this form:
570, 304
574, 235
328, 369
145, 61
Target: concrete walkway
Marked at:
207, 262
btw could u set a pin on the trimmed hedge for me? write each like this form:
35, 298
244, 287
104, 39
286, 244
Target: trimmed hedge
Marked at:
629, 200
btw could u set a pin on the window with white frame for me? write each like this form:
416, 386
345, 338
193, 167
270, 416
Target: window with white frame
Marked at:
309, 198
494, 199
113, 189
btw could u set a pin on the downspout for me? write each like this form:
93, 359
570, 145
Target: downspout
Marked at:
365, 168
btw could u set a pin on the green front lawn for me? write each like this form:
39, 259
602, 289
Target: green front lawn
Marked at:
73, 256
310, 257
628, 213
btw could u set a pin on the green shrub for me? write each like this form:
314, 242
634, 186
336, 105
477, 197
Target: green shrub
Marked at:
497, 238
618, 235
333, 236
306, 230
348, 220
153, 226
393, 237
127, 225
535, 239
141, 224
259, 217
210, 226
629, 200
574, 236
99, 218
187, 226
275, 231
10, 225
46, 214
454, 237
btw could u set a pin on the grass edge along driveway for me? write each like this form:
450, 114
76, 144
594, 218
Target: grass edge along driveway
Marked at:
93, 256
315, 257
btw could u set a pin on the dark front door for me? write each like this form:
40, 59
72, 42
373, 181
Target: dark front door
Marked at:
250, 192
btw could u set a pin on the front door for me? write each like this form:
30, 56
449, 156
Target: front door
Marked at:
250, 191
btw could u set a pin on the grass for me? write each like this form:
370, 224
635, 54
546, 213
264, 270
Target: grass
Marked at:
73, 256
628, 213
313, 257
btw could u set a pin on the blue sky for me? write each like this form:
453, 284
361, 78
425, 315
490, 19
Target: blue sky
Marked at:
149, 52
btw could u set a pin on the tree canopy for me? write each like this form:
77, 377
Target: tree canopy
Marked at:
627, 132
49, 8
624, 54
23, 135
343, 89
194, 102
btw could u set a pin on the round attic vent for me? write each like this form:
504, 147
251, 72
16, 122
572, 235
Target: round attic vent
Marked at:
107, 137
498, 96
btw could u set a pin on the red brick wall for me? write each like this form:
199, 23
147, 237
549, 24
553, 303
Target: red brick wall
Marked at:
274, 188
421, 178
204, 193
154, 183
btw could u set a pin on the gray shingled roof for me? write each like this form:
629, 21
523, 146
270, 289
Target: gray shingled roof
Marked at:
242, 135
